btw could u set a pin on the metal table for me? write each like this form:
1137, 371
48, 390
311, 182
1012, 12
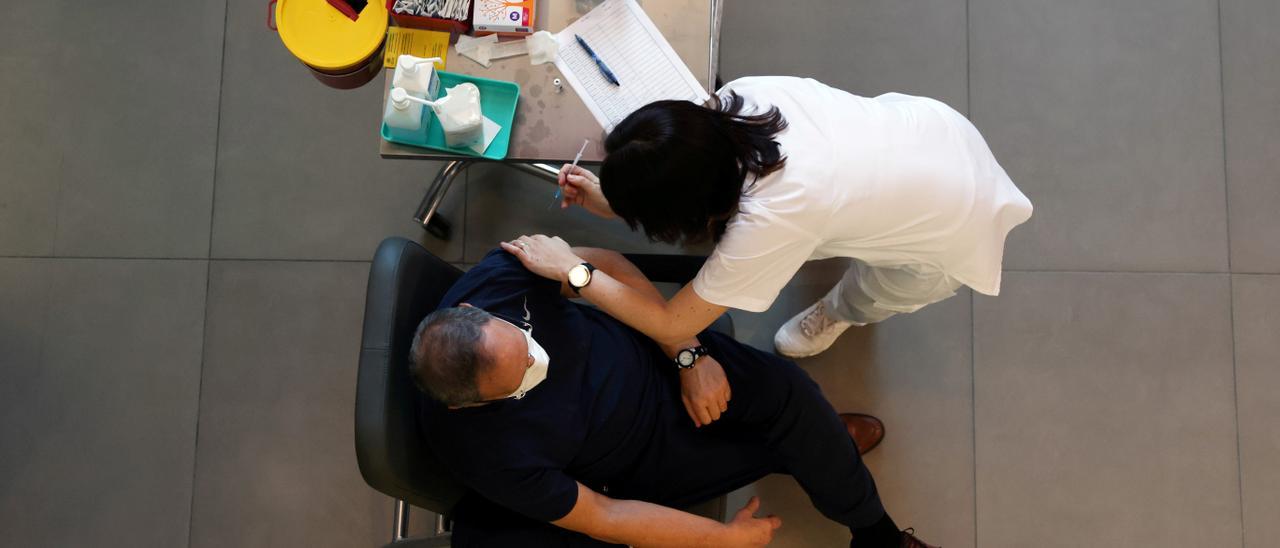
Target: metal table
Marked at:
549, 125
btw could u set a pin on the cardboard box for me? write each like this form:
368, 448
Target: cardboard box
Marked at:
427, 23
505, 17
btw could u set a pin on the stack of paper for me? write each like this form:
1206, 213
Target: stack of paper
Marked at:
630, 44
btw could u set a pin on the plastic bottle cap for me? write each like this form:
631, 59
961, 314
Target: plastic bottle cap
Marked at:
412, 64
399, 98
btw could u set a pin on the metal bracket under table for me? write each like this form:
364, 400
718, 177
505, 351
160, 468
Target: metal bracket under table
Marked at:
427, 217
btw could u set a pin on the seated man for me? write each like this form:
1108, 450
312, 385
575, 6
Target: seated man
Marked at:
571, 430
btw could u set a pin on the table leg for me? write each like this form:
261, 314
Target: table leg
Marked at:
426, 213
541, 170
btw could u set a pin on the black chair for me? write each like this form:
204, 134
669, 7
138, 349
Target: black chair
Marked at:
406, 282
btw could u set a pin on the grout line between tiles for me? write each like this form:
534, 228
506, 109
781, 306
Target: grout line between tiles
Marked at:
968, 65
973, 406
101, 258
284, 260
1136, 272
1235, 396
208, 270
1231, 288
973, 326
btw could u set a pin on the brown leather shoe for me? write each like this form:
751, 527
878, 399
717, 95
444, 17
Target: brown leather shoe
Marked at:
866, 430
909, 540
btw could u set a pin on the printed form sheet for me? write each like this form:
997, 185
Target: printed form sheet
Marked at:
628, 42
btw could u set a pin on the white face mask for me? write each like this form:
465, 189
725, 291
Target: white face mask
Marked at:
536, 373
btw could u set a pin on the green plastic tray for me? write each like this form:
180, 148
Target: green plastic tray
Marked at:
498, 99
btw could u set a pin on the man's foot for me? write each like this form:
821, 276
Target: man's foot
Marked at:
866, 430
909, 540
809, 332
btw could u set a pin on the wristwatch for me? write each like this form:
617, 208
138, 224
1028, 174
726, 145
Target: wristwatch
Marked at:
686, 358
580, 276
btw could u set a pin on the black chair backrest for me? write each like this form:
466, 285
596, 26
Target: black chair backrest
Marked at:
406, 282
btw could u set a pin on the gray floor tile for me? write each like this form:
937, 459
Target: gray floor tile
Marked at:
24, 307
912, 371
30, 143
1108, 116
1257, 314
1105, 412
866, 47
139, 108
1251, 84
299, 176
503, 204
105, 420
275, 465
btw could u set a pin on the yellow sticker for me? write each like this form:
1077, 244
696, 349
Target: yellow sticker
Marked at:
415, 42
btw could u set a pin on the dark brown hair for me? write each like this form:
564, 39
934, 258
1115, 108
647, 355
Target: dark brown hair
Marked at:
676, 169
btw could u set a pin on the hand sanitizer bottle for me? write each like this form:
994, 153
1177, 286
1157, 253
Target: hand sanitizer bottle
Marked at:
460, 116
417, 76
403, 115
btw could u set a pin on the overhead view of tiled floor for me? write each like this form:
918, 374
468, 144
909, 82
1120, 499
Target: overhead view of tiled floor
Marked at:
187, 216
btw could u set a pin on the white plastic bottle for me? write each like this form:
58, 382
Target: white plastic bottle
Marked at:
460, 116
417, 76
403, 115
459, 113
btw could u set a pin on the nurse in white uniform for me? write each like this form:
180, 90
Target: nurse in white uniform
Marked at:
782, 170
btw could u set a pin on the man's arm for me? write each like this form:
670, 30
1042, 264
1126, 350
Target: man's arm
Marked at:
642, 524
705, 389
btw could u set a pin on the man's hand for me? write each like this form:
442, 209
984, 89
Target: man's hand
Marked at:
705, 391
748, 530
545, 256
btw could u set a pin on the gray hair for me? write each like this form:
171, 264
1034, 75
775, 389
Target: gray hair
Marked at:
447, 354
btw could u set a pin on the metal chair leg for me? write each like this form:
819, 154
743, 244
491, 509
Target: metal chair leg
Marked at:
400, 531
401, 521
435, 224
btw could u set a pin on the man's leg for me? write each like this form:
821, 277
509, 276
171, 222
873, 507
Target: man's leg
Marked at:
778, 400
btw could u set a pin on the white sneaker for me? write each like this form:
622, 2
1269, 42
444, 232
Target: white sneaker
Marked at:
809, 332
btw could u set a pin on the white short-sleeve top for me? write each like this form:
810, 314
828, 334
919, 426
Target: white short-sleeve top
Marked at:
893, 180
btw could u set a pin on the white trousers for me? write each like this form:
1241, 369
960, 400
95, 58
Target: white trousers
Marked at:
868, 294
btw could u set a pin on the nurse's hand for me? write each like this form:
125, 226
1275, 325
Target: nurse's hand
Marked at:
544, 255
705, 391
580, 187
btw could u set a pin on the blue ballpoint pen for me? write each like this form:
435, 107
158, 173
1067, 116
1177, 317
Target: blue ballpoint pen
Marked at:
608, 74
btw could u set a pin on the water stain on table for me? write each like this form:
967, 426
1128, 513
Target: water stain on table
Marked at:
539, 131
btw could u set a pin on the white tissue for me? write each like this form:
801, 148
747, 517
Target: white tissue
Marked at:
476, 49
542, 47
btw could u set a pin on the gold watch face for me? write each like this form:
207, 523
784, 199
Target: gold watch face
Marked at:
579, 276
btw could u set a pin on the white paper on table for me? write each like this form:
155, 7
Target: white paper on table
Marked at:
490, 129
634, 49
